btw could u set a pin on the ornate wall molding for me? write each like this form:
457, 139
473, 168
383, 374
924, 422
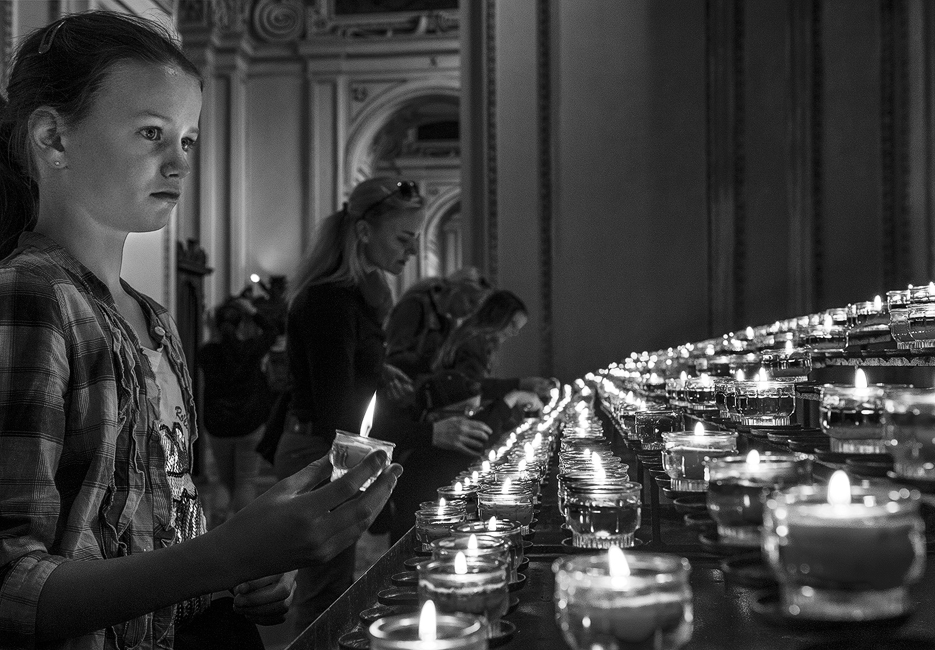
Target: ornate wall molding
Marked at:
894, 144
490, 136
805, 148
322, 20
725, 162
544, 100
279, 21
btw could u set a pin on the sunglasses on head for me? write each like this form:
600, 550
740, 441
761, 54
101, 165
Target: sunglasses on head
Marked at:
407, 190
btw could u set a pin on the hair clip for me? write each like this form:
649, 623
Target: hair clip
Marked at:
49, 36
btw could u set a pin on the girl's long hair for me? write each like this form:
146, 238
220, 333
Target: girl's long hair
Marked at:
336, 255
493, 316
63, 66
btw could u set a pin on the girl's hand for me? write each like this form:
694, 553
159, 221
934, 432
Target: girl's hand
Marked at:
397, 383
265, 601
294, 525
461, 434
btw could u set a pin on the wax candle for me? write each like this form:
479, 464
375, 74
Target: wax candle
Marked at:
483, 547
629, 602
432, 525
738, 485
601, 514
460, 492
909, 431
651, 424
765, 402
467, 586
428, 631
510, 532
842, 552
348, 450
852, 415
505, 502
687, 452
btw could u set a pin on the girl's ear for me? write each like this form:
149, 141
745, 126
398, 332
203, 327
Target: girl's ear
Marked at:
363, 231
45, 138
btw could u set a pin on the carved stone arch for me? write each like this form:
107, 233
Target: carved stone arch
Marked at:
436, 211
374, 116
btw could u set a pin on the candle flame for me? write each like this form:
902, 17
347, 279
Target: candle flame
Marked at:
460, 564
475, 475
706, 381
877, 303
472, 542
749, 332
860, 378
522, 465
507, 484
442, 502
839, 489
683, 377
789, 347
699, 429
485, 466
459, 487
492, 456
762, 375
617, 563
367, 423
739, 376
492, 524
753, 458
427, 630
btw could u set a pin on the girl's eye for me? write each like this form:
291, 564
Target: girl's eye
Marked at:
151, 133
188, 144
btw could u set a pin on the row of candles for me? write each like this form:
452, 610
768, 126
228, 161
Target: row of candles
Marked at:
839, 552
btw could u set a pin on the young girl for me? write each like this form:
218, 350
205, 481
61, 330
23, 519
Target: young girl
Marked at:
102, 540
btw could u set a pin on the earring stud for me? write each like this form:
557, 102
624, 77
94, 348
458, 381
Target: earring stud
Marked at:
57, 163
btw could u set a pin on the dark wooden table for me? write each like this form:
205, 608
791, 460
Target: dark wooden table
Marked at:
729, 613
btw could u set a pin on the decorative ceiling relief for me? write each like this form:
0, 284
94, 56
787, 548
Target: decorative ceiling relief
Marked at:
380, 19
279, 21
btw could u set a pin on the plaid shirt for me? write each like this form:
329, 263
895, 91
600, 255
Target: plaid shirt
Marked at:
82, 471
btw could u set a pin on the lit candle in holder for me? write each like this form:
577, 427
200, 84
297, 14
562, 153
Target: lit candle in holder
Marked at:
483, 547
909, 430
348, 450
428, 631
737, 487
765, 402
509, 532
433, 524
461, 493
842, 552
507, 502
601, 514
852, 415
467, 586
686, 453
652, 423
626, 602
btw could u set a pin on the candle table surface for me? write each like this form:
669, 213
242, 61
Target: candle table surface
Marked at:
727, 613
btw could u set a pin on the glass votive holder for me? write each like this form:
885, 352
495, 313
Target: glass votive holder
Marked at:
482, 547
920, 321
432, 525
851, 416
738, 486
509, 532
616, 476
601, 514
451, 632
699, 393
648, 607
850, 560
454, 507
514, 504
476, 587
652, 423
686, 454
765, 403
909, 432
468, 495
349, 449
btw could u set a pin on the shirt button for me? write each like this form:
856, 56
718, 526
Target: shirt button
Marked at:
159, 330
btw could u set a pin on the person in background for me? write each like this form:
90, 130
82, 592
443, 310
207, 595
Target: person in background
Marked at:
472, 347
445, 395
426, 314
237, 399
335, 345
103, 543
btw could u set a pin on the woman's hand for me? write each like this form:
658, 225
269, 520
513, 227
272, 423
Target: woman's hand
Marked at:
528, 401
461, 434
294, 525
538, 385
397, 383
265, 601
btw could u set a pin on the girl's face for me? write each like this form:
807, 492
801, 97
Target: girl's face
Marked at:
389, 244
125, 161
514, 326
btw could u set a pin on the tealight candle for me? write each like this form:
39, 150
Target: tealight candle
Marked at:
651, 424
483, 547
432, 525
686, 453
503, 501
852, 415
348, 450
909, 430
737, 487
628, 602
428, 631
843, 553
460, 492
601, 514
467, 586
509, 532
765, 402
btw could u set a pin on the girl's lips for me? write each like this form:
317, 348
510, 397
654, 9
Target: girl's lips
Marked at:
167, 196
